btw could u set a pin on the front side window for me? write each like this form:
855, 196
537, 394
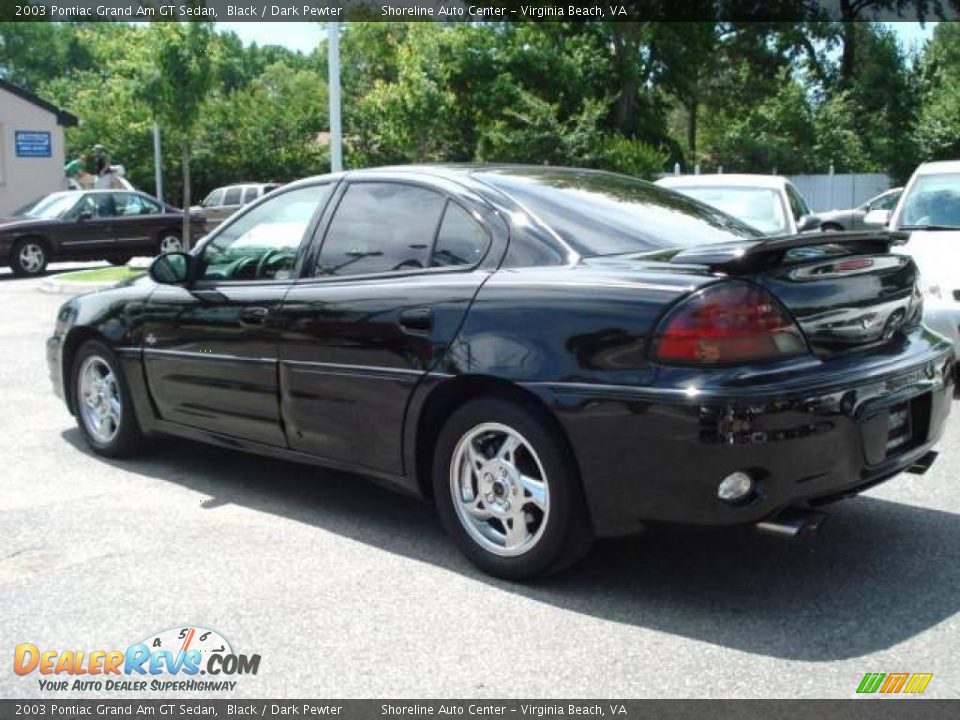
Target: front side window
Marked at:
797, 205
250, 194
98, 205
934, 200
262, 244
213, 199
887, 201
462, 241
381, 227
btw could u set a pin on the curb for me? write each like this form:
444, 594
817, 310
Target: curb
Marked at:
58, 287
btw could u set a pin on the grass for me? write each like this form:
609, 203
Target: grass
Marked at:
102, 275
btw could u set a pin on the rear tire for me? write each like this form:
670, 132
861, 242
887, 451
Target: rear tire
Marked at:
119, 260
28, 258
508, 491
102, 402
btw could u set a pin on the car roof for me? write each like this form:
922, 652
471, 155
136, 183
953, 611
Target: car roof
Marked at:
463, 173
774, 182
936, 168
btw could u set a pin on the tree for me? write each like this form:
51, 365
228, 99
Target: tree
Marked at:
176, 85
938, 126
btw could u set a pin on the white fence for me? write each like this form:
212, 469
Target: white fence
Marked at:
838, 192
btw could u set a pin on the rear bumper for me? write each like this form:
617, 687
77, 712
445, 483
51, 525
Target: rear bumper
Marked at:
656, 454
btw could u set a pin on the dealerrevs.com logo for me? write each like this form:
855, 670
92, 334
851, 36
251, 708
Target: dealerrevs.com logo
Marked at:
178, 659
894, 683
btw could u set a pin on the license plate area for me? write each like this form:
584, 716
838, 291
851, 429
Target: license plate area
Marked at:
908, 424
898, 428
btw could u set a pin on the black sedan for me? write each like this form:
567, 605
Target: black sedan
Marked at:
109, 225
550, 355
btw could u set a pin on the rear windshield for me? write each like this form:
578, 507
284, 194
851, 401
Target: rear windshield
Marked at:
598, 213
758, 207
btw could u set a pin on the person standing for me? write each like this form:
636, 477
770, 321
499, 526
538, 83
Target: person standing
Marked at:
76, 170
101, 166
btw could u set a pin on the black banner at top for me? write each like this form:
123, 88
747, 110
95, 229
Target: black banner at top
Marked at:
479, 10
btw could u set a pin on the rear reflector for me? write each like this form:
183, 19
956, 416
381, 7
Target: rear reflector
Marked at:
725, 324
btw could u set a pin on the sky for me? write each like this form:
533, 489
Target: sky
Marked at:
305, 36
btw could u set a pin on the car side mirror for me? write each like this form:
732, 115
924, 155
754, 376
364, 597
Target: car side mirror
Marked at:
171, 268
84, 215
877, 218
808, 223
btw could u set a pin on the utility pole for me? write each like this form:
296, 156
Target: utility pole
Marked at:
333, 81
157, 162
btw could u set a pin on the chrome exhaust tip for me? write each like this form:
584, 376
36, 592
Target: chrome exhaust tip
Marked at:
793, 522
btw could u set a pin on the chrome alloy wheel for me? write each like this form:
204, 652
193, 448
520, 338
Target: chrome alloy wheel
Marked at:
169, 244
31, 257
500, 490
99, 399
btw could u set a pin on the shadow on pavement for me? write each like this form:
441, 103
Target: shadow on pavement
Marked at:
877, 574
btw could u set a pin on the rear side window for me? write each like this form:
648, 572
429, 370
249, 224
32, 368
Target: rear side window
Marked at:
381, 227
461, 240
233, 196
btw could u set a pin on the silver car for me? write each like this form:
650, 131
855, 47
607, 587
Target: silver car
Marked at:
856, 218
769, 203
225, 201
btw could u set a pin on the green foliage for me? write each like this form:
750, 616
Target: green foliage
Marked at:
630, 97
938, 127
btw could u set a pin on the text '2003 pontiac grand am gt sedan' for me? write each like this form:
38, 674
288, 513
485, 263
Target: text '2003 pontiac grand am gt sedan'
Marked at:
549, 354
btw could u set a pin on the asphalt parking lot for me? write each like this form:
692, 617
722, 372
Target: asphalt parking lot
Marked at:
347, 590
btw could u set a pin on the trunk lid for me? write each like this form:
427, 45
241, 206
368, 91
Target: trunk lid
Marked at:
845, 290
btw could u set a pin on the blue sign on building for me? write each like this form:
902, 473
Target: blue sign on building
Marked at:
33, 144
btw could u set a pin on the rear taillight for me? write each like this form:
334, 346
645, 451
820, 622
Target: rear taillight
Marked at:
728, 323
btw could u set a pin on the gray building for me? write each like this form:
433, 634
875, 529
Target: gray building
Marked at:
31, 146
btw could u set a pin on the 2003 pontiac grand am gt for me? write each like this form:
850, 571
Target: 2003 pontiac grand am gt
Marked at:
549, 354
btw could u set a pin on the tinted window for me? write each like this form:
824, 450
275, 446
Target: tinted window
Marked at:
233, 196
461, 240
760, 208
600, 213
250, 194
380, 227
262, 244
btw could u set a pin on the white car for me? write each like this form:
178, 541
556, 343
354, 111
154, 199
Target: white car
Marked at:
929, 210
769, 203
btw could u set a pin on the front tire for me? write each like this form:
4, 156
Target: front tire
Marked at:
507, 490
831, 227
170, 241
102, 401
119, 260
29, 258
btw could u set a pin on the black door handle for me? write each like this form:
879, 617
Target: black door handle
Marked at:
254, 315
419, 320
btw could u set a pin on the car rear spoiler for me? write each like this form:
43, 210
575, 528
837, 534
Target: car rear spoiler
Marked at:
753, 255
